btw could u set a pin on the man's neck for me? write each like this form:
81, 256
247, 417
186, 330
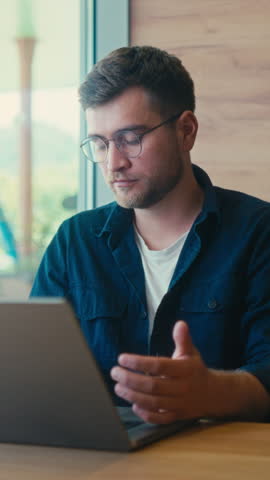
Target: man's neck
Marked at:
161, 225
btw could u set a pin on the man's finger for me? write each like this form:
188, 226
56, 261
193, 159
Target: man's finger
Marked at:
148, 402
160, 418
160, 366
150, 384
183, 341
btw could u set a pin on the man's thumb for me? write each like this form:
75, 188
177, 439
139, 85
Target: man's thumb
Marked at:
182, 340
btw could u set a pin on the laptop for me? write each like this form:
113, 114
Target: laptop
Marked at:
51, 389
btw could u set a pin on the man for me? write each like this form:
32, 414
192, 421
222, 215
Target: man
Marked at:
171, 284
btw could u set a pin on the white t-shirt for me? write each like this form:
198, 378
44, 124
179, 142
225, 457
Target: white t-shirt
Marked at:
159, 266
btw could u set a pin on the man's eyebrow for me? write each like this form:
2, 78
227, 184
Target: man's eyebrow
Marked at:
133, 127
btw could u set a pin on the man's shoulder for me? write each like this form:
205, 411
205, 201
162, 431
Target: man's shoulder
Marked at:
239, 202
234, 203
92, 220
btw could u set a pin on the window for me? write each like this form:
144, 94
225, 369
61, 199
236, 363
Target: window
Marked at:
39, 131
46, 49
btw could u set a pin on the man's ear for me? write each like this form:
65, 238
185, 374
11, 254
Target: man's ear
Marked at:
187, 125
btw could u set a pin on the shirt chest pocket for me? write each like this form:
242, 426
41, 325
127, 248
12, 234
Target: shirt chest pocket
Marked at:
213, 312
221, 295
101, 317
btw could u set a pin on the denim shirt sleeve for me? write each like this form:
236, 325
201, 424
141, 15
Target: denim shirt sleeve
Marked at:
255, 324
51, 277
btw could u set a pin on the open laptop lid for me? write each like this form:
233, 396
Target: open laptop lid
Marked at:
51, 390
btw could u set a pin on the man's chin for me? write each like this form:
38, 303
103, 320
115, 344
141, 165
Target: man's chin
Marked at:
137, 200
126, 202
138, 203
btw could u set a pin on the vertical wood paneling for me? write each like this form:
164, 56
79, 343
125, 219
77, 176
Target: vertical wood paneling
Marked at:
226, 47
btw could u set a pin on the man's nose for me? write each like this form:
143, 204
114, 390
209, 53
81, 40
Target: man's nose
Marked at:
116, 160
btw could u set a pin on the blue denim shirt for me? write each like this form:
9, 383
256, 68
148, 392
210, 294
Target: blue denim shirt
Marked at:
220, 286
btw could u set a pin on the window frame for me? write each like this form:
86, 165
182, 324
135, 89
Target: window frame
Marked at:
104, 27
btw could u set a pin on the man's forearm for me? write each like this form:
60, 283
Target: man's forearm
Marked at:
237, 394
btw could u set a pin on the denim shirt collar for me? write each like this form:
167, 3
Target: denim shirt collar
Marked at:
210, 203
120, 219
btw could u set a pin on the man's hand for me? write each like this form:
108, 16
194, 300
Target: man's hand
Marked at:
163, 390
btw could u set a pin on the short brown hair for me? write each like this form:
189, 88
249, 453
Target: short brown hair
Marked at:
162, 75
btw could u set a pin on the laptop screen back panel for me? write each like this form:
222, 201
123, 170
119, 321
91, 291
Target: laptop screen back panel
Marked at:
51, 390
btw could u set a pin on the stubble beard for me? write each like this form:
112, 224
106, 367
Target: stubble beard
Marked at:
155, 189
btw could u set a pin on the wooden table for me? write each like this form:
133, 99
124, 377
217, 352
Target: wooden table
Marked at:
222, 451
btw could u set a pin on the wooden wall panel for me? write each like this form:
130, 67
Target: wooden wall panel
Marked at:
226, 47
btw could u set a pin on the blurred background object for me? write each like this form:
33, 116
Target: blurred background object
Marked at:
39, 131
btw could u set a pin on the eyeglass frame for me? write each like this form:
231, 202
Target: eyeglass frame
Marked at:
139, 135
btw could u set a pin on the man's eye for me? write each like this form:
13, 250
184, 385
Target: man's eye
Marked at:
99, 146
128, 138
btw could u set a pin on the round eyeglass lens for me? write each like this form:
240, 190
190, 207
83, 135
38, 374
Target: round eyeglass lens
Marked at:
128, 143
95, 149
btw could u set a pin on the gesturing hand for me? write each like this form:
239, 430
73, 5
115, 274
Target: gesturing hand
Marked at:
162, 389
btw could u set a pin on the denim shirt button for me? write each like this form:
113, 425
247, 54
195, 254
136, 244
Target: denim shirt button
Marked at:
212, 303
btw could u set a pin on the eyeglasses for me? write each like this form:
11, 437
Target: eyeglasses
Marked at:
129, 143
